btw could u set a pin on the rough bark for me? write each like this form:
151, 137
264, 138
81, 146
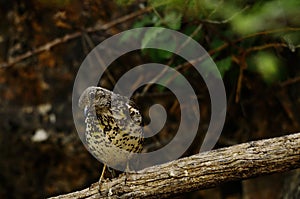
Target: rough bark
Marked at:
202, 171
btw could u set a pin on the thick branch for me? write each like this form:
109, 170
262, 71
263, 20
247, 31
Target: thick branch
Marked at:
203, 170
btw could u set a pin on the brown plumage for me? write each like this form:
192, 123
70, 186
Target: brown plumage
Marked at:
113, 126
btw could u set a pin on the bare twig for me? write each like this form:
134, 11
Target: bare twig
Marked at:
202, 171
268, 32
225, 20
100, 60
72, 36
186, 42
239, 82
189, 63
290, 81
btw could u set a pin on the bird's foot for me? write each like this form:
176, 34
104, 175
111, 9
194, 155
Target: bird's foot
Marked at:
101, 178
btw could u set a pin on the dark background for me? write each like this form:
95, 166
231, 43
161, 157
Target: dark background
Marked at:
259, 65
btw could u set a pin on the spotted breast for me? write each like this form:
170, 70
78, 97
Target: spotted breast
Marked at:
113, 126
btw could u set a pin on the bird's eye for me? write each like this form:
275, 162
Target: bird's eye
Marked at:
92, 95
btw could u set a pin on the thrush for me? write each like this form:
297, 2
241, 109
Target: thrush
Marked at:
113, 127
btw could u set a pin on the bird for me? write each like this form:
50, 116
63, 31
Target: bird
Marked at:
113, 127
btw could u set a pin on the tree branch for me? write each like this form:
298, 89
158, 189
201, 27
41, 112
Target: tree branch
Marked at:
202, 171
69, 37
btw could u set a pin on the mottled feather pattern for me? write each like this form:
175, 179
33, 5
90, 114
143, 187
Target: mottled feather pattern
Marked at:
113, 125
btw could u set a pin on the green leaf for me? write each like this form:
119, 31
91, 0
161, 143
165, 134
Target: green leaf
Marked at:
215, 43
151, 36
189, 30
172, 20
268, 66
146, 21
224, 65
158, 37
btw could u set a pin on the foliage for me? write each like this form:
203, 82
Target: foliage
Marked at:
267, 65
260, 26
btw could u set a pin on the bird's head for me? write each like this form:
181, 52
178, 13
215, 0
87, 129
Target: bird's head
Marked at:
94, 97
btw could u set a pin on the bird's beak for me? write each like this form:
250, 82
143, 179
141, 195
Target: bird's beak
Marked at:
85, 111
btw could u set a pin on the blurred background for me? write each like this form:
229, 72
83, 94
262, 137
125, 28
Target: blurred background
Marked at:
255, 45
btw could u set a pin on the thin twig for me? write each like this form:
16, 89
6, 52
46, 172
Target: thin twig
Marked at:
190, 63
147, 87
72, 36
155, 79
100, 60
225, 20
290, 81
243, 65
